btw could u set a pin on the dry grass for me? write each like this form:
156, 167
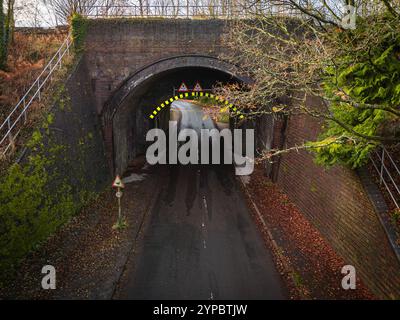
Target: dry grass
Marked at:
27, 57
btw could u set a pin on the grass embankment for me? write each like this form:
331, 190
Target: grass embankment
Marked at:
27, 56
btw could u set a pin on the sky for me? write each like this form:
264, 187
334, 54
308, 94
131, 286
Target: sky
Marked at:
33, 13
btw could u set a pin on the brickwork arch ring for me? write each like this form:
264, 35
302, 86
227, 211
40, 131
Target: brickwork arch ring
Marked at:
165, 65
139, 77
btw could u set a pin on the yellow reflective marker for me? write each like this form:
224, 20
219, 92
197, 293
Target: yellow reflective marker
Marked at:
199, 93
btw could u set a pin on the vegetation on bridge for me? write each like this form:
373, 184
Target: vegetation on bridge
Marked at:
78, 29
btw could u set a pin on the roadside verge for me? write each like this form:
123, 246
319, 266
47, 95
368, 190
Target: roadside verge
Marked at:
311, 266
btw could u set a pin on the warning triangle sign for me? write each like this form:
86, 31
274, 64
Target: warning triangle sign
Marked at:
197, 87
183, 88
118, 183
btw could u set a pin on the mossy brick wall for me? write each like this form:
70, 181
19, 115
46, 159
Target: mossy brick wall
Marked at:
335, 201
62, 168
117, 48
77, 126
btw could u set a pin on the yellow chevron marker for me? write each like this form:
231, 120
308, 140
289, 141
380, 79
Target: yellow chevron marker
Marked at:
201, 94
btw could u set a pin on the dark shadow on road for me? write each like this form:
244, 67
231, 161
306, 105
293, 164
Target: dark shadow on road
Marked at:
200, 242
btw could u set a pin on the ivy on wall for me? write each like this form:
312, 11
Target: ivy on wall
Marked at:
79, 27
37, 196
365, 94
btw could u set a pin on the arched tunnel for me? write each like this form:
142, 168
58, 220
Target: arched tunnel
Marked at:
126, 115
199, 218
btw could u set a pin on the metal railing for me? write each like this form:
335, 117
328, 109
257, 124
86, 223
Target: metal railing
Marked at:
389, 173
186, 11
12, 125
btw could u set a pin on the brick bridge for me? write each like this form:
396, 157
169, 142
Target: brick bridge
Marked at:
131, 65
135, 64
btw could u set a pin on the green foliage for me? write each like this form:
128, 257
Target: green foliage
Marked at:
38, 195
79, 27
360, 80
31, 210
222, 115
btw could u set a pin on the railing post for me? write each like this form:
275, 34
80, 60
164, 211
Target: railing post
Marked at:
10, 137
382, 164
39, 89
25, 116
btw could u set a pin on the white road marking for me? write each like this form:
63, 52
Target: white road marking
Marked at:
203, 224
205, 202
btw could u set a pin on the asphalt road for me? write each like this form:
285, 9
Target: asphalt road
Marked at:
200, 242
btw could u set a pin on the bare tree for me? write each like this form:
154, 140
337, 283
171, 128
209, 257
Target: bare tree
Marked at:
64, 9
7, 25
290, 60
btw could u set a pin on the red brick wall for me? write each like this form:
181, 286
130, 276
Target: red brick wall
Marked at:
335, 202
116, 49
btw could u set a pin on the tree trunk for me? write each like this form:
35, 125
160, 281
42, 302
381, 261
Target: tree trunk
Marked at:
3, 43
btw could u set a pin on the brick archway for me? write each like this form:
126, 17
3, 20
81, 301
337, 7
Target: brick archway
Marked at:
135, 81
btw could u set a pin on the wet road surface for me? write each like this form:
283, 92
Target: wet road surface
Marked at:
200, 242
